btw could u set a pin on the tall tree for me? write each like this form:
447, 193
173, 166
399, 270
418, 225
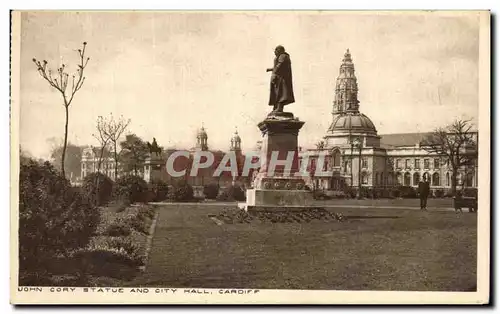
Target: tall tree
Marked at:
113, 130
133, 154
456, 144
60, 83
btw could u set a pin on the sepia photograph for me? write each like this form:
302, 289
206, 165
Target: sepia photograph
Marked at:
250, 157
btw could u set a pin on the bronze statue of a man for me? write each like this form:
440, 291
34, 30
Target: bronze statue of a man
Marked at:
281, 80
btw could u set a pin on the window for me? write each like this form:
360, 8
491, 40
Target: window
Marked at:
469, 180
436, 163
417, 163
398, 163
447, 179
426, 177
407, 179
407, 163
364, 162
336, 159
416, 178
390, 177
364, 178
399, 178
435, 179
426, 164
376, 178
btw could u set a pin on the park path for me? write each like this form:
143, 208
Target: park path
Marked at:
406, 204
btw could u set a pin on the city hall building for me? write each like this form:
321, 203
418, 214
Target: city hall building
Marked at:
357, 155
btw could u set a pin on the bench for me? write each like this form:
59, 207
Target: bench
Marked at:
460, 202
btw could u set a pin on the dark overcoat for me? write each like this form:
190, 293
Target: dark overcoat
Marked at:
281, 84
423, 189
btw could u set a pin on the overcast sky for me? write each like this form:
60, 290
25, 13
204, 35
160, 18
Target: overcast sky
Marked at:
170, 72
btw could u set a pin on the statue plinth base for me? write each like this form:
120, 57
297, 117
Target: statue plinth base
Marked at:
283, 187
154, 169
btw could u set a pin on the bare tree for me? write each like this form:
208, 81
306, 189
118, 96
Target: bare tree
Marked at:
113, 130
103, 140
60, 83
456, 144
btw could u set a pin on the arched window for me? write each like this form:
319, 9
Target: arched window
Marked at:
399, 178
364, 178
407, 179
426, 177
416, 178
435, 179
448, 179
336, 158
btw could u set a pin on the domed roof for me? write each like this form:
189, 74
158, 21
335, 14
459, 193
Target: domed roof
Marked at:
356, 122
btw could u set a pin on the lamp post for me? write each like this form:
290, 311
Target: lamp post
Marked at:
350, 164
359, 144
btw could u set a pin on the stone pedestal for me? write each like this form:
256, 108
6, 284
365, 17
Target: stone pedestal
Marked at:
285, 187
154, 169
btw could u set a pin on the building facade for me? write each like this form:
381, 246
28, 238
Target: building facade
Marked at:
355, 155
204, 176
91, 159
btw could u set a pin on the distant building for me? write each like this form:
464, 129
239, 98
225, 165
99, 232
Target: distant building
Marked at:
91, 159
384, 160
204, 175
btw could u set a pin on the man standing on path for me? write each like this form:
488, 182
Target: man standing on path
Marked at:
423, 192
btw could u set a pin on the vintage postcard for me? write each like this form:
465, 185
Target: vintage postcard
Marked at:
250, 157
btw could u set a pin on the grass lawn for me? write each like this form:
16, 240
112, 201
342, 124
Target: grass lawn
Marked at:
402, 250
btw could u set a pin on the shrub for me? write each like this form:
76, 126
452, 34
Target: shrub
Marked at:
439, 193
232, 193
407, 192
118, 229
470, 192
350, 192
132, 188
98, 187
395, 192
138, 223
211, 191
181, 192
54, 219
160, 191
319, 195
127, 245
377, 193
383, 193
102, 259
366, 192
147, 212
